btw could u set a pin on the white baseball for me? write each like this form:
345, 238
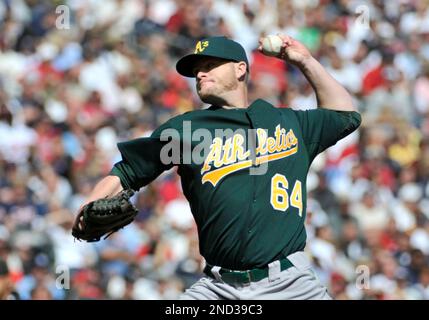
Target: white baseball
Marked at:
271, 45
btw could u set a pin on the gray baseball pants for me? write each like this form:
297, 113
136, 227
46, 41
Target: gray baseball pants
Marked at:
295, 283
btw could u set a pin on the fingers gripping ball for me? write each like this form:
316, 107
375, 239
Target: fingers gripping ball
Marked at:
105, 216
272, 45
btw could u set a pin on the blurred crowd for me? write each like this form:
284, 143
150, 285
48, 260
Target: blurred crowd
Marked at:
78, 76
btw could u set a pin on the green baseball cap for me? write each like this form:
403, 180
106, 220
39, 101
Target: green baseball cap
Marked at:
217, 47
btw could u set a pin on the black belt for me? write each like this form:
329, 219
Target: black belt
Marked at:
242, 277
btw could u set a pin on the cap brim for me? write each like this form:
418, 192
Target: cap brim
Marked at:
186, 64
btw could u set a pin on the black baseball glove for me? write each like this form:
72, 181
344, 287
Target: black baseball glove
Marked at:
104, 217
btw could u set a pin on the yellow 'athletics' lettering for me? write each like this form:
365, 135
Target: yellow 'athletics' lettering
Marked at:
226, 158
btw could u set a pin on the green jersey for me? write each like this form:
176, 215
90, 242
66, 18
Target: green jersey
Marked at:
247, 195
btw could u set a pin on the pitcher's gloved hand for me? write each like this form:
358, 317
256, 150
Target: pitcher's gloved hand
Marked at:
105, 216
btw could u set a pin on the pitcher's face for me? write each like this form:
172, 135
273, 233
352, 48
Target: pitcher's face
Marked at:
214, 77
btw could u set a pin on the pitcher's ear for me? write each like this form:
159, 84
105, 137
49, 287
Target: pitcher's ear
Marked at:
240, 69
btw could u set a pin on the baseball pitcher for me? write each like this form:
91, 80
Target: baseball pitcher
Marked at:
243, 167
